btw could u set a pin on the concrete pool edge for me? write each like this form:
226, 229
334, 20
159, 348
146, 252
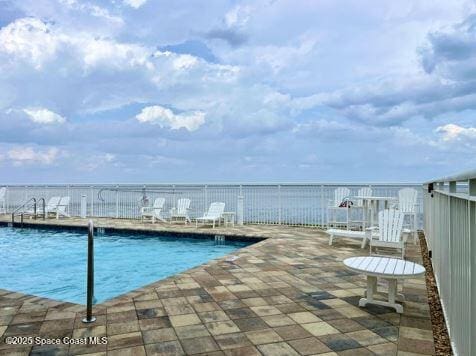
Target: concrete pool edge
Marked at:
166, 231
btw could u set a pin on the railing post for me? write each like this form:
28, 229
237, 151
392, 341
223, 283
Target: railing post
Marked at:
452, 187
279, 204
90, 278
7, 200
173, 197
92, 201
322, 205
83, 206
472, 187
240, 208
117, 201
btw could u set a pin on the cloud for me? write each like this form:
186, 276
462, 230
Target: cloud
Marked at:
166, 118
94, 161
238, 16
232, 36
28, 155
452, 132
44, 116
135, 3
29, 40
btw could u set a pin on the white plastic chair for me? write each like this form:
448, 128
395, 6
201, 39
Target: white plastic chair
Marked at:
52, 205
389, 232
333, 209
359, 207
3, 200
181, 211
153, 212
407, 204
214, 214
63, 207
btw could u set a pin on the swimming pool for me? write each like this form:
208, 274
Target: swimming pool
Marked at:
52, 264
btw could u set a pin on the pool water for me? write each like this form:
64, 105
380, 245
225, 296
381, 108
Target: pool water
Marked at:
52, 264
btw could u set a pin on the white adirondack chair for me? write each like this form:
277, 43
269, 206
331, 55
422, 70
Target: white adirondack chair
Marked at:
358, 207
407, 204
63, 207
333, 209
3, 200
214, 214
181, 211
52, 205
153, 212
389, 231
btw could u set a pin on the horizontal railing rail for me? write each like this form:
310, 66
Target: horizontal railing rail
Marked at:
260, 203
450, 230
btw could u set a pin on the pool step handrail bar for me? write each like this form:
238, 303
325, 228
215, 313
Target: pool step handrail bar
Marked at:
90, 276
43, 206
22, 207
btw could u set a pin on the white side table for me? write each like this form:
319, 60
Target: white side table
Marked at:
228, 218
391, 269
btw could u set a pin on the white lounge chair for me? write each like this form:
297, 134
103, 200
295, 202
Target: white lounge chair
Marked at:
51, 206
214, 214
363, 236
62, 208
181, 211
341, 194
407, 204
3, 200
389, 231
153, 212
358, 206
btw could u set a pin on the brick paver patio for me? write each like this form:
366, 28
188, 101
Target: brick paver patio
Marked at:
287, 295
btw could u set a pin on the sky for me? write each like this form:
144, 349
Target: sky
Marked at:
151, 91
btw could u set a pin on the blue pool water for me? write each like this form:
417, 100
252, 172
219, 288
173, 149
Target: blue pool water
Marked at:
52, 264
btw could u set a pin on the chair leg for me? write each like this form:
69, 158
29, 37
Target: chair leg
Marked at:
364, 241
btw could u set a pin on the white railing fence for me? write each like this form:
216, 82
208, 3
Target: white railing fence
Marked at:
450, 230
290, 204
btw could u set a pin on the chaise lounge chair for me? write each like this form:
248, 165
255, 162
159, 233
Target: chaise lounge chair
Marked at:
59, 206
3, 200
214, 214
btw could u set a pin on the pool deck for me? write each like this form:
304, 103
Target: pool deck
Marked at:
287, 295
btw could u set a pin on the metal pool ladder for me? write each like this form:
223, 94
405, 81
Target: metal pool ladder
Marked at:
27, 203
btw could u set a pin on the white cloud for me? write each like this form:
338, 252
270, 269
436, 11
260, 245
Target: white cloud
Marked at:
185, 61
95, 161
28, 39
135, 3
44, 116
28, 155
452, 132
166, 118
238, 16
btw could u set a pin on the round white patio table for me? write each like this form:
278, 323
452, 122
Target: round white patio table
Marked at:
391, 269
371, 206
